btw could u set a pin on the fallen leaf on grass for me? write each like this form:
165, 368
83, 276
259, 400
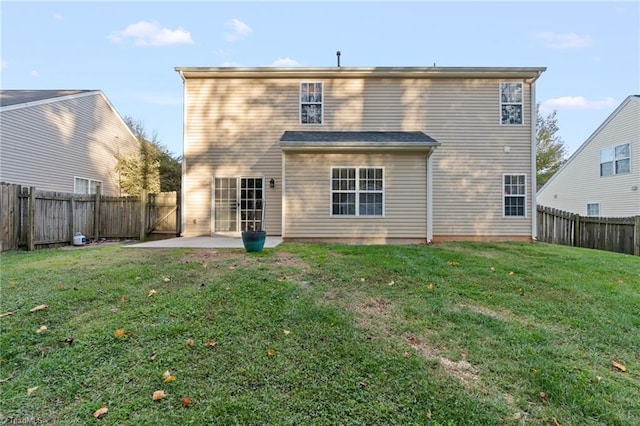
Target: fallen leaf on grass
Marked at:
41, 329
32, 390
166, 279
270, 352
151, 293
186, 402
122, 298
555, 421
38, 308
119, 333
100, 412
413, 340
493, 269
543, 395
68, 340
158, 395
210, 343
12, 283
453, 263
189, 342
168, 377
619, 366
114, 309
391, 282
429, 414
59, 287
362, 280
286, 332
430, 286
152, 356
406, 354
6, 314
512, 273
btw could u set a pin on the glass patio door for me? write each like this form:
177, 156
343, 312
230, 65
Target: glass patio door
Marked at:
237, 204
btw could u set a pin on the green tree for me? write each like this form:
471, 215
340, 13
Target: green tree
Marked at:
550, 149
152, 168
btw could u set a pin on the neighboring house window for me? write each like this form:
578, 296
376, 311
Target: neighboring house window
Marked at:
311, 103
615, 160
515, 195
511, 105
85, 186
357, 191
593, 209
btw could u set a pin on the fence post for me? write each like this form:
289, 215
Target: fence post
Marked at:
576, 231
31, 219
72, 209
636, 237
144, 199
96, 212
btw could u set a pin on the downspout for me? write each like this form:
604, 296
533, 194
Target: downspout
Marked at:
534, 151
183, 204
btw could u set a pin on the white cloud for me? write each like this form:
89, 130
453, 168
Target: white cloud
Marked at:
285, 62
58, 16
576, 102
237, 30
34, 73
151, 34
563, 40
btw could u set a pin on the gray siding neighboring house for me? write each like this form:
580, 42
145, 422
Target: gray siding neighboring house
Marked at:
391, 154
61, 140
602, 178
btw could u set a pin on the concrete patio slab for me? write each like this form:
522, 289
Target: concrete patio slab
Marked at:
203, 242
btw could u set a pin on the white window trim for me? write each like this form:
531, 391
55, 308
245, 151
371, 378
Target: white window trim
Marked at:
614, 160
504, 196
89, 182
321, 104
521, 103
593, 203
357, 191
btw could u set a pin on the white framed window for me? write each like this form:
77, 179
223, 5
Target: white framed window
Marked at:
593, 209
515, 195
511, 103
311, 110
615, 160
357, 191
85, 186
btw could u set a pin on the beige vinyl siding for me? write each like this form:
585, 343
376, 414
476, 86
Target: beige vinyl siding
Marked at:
232, 129
469, 166
233, 126
308, 197
579, 181
49, 144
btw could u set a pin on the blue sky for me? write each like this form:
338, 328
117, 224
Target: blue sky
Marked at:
129, 49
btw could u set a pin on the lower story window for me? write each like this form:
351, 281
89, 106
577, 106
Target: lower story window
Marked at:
85, 186
515, 195
357, 191
593, 209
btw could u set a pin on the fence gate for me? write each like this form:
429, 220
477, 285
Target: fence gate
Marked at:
164, 214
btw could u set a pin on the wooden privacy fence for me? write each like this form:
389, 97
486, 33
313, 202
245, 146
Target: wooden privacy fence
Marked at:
30, 218
619, 234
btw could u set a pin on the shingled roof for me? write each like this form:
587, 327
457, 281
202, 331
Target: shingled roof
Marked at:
17, 97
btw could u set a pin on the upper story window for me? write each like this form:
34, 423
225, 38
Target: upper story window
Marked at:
515, 194
615, 160
85, 186
357, 191
511, 105
311, 103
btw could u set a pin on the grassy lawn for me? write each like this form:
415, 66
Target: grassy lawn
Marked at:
450, 334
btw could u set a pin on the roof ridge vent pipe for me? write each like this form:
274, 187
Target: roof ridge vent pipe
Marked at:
338, 55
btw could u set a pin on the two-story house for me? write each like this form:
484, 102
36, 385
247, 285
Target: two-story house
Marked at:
62, 140
361, 155
602, 178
